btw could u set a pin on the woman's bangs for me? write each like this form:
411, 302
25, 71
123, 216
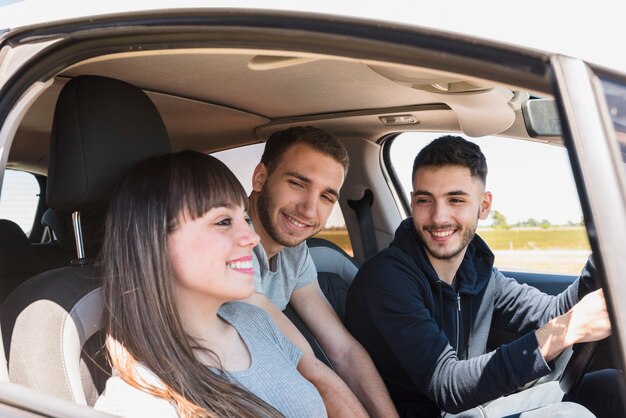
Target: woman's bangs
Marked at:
197, 188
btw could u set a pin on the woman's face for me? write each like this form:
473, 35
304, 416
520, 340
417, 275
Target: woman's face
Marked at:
211, 256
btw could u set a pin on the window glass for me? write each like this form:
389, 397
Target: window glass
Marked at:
242, 161
536, 220
19, 199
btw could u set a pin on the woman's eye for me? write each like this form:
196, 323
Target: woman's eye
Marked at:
248, 220
224, 222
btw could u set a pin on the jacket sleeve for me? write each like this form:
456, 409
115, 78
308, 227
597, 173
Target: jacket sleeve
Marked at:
398, 305
521, 308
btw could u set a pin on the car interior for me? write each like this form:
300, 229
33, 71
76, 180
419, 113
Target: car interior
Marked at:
101, 126
94, 115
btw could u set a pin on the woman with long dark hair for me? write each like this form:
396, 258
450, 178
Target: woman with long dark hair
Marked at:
177, 253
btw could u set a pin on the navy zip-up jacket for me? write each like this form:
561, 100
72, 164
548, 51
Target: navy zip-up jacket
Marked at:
428, 339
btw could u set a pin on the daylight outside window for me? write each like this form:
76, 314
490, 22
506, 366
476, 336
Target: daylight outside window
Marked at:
20, 195
536, 220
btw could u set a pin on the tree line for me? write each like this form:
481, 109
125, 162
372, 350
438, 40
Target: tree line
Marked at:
500, 222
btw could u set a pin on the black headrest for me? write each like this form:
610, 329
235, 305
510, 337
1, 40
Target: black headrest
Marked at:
13, 238
101, 127
61, 227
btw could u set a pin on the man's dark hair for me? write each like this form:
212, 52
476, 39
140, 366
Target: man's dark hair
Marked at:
318, 139
452, 150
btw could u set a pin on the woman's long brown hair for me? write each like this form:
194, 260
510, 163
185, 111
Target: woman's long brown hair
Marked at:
141, 319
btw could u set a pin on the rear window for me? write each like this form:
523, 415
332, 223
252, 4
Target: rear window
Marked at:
19, 198
242, 161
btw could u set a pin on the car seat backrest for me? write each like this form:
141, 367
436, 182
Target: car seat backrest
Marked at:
21, 259
51, 324
4, 370
335, 272
45, 330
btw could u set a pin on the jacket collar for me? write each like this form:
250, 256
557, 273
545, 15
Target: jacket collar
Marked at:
473, 273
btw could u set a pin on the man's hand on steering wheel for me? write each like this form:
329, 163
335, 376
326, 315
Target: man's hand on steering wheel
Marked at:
587, 321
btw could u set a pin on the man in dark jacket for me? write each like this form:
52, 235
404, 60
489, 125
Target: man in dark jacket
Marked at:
423, 307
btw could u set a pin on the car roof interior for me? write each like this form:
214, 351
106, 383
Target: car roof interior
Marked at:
213, 99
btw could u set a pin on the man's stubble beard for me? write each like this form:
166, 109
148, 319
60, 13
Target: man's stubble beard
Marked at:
265, 206
468, 236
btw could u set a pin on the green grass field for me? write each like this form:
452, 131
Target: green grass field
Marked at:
555, 238
556, 249
339, 237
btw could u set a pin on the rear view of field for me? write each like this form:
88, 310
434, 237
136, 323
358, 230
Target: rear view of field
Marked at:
557, 249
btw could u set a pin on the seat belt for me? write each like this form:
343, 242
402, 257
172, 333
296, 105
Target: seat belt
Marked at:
363, 210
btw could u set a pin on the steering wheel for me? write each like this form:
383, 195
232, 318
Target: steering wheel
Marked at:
582, 354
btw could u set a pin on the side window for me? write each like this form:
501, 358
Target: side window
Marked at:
536, 220
19, 199
242, 161
336, 232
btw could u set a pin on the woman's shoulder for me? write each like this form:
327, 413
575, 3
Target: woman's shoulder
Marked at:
248, 319
254, 324
235, 311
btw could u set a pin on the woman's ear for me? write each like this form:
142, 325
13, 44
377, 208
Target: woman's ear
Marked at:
259, 176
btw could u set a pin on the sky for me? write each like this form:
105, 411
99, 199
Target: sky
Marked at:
591, 31
527, 180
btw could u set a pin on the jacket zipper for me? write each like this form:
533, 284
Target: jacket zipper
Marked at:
458, 321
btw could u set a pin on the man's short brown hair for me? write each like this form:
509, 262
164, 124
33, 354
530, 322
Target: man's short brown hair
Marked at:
320, 140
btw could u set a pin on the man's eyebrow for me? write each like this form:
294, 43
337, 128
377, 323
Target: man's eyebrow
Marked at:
422, 192
307, 180
299, 176
457, 193
450, 193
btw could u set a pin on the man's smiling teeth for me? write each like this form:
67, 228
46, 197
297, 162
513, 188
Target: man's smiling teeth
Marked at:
241, 265
442, 234
296, 223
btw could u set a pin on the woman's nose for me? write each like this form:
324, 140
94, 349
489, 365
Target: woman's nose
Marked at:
249, 237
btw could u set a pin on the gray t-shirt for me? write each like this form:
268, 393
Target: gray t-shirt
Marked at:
293, 268
272, 375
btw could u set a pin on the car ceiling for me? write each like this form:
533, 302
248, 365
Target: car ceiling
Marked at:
212, 99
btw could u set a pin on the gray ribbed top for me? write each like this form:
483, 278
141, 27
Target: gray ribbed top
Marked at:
272, 376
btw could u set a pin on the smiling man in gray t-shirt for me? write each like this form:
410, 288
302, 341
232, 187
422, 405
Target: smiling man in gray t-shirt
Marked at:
295, 187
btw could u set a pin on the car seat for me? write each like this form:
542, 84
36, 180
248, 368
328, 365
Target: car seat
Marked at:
21, 259
335, 272
51, 323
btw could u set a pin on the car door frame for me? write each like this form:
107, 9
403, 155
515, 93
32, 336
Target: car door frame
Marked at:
590, 139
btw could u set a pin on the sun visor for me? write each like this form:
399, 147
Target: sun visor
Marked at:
481, 108
480, 113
